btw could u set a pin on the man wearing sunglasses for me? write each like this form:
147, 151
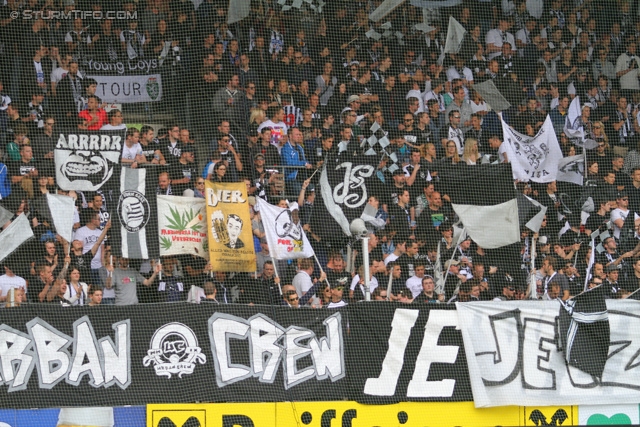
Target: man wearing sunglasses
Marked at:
336, 295
291, 299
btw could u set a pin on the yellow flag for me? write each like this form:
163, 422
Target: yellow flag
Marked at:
229, 227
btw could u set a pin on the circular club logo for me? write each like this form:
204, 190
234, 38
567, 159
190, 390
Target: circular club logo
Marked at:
133, 210
174, 350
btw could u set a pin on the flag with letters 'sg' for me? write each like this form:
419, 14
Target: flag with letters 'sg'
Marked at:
137, 215
485, 199
229, 227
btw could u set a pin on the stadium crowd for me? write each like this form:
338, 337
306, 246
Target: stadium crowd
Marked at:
269, 99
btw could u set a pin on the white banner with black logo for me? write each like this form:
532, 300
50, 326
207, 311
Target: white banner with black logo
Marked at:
533, 158
87, 160
129, 89
514, 355
284, 232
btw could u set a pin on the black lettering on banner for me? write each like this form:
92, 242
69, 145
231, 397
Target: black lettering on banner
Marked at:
237, 421
557, 419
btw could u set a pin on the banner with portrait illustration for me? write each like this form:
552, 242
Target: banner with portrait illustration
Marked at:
88, 160
229, 227
182, 226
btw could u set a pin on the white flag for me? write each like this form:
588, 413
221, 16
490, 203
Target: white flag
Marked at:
182, 226
533, 158
571, 169
238, 10
62, 210
574, 128
18, 232
455, 35
286, 239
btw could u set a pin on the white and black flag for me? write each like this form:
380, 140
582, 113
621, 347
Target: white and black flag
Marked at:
87, 160
585, 331
137, 215
485, 199
533, 158
571, 169
345, 187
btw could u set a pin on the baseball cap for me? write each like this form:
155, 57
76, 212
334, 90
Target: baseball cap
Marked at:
353, 98
258, 156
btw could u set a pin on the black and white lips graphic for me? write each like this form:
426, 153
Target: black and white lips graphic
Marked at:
93, 168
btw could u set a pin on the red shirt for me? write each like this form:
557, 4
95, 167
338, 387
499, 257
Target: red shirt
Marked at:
102, 118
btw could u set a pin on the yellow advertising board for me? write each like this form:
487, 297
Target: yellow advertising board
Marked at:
229, 227
352, 414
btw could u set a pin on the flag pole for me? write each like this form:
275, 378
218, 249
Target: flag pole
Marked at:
532, 275
462, 234
389, 285
632, 293
321, 270
275, 269
592, 260
585, 291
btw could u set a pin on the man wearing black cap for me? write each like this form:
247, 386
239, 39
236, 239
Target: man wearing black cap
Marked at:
183, 173
508, 290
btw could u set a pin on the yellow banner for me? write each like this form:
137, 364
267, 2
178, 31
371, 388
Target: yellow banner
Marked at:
318, 414
230, 237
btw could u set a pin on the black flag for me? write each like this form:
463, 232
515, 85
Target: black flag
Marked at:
584, 331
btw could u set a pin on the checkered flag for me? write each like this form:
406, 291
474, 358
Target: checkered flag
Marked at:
377, 144
315, 5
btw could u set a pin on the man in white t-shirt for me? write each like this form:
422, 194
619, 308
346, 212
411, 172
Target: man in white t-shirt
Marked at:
10, 281
414, 283
496, 144
115, 121
132, 150
276, 124
619, 215
59, 73
89, 235
496, 37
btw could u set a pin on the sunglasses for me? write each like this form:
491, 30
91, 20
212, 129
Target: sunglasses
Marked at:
512, 289
338, 288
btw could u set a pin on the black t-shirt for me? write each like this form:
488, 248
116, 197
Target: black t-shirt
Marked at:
82, 262
595, 221
21, 168
400, 218
389, 195
179, 171
171, 153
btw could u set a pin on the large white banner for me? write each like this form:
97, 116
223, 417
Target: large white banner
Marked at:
284, 233
533, 158
513, 358
128, 89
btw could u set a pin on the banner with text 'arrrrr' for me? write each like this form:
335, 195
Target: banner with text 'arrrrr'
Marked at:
87, 160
